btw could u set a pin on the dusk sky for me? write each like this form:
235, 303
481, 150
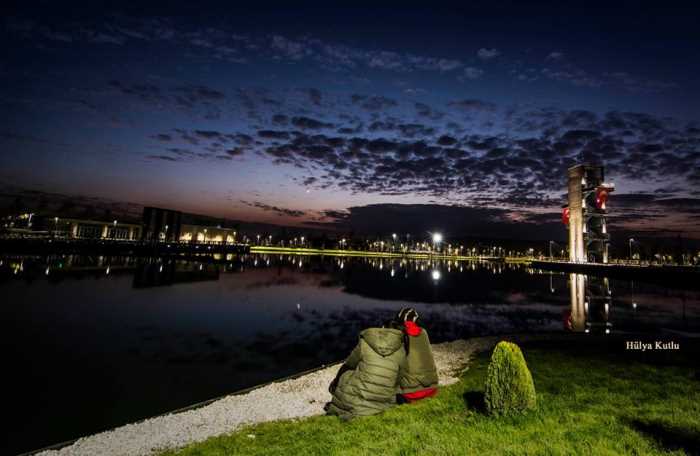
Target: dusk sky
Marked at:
302, 114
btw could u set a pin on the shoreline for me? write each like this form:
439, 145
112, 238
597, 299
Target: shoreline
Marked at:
298, 396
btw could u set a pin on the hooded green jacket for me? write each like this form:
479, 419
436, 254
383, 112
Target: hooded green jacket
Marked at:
367, 382
420, 371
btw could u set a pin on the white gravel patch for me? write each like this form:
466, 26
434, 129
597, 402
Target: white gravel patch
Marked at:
296, 398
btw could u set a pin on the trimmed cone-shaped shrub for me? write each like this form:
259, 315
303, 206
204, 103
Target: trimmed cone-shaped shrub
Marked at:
509, 386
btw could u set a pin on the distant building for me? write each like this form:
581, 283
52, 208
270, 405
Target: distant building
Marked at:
158, 225
161, 225
165, 225
36, 225
207, 234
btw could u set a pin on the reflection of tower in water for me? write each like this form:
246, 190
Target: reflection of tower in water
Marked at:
591, 300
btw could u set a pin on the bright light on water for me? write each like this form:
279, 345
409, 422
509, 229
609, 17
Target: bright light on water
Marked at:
436, 274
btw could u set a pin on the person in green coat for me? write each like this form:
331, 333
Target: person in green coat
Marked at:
419, 378
367, 382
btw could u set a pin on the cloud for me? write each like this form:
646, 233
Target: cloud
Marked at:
424, 110
575, 76
487, 54
638, 84
307, 123
452, 220
373, 103
162, 157
280, 211
315, 96
555, 55
273, 134
522, 171
434, 64
288, 48
235, 152
471, 73
208, 134
280, 119
473, 105
198, 99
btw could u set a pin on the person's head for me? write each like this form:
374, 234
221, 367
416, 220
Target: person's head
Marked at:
407, 314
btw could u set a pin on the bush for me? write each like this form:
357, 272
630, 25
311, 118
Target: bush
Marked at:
509, 386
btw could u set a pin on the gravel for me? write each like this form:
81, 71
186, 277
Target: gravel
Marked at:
290, 399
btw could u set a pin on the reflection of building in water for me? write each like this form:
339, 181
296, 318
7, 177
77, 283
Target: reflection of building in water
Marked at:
585, 214
591, 299
163, 272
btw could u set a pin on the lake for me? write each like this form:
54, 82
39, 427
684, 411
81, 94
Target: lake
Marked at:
95, 342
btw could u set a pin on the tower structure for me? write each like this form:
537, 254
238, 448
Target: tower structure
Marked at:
586, 213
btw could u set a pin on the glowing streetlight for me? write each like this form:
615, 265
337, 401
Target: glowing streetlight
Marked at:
631, 241
437, 238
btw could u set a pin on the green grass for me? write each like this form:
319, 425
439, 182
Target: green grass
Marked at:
586, 404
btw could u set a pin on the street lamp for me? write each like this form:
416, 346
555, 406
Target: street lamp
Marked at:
631, 241
437, 239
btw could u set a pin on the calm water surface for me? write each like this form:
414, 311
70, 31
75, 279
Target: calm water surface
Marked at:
92, 343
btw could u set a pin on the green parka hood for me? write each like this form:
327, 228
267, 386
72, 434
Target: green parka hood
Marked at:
367, 381
384, 341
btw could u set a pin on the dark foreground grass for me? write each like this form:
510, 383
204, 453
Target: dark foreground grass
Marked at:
587, 403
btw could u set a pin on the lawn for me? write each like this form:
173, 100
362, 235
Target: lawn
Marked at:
588, 403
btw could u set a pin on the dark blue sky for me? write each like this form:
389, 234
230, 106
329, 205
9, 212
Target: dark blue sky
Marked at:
298, 114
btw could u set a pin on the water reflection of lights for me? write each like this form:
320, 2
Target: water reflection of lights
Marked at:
435, 275
392, 272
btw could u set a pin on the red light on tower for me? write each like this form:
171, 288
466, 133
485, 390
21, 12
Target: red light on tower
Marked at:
601, 196
565, 216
